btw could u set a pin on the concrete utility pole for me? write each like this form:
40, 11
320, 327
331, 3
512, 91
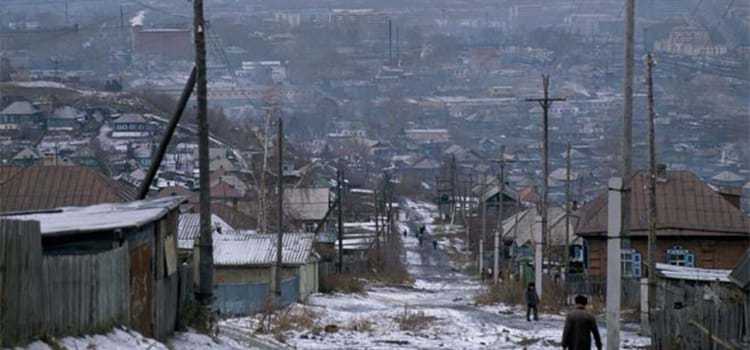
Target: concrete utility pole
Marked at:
205, 242
614, 268
651, 193
339, 180
627, 127
280, 184
566, 254
545, 103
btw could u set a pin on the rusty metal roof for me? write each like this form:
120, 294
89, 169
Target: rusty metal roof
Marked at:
685, 206
260, 249
46, 187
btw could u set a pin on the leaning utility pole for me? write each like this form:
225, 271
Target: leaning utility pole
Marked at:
545, 103
339, 180
280, 190
566, 255
651, 192
205, 243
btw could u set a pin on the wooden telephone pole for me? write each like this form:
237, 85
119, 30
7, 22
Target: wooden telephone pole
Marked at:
500, 213
651, 192
280, 184
339, 180
205, 243
566, 255
545, 102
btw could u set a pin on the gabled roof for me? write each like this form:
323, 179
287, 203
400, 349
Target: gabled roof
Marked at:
27, 153
727, 176
20, 108
45, 187
102, 217
560, 174
131, 118
521, 226
188, 228
425, 164
686, 206
260, 250
741, 273
66, 112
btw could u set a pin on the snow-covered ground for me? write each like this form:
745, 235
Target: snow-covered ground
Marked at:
125, 339
440, 293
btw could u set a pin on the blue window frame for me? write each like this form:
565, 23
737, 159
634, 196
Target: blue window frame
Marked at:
679, 256
631, 263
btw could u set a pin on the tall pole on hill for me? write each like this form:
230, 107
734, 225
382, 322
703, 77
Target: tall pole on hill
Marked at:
339, 180
545, 102
280, 190
651, 192
566, 254
205, 243
627, 128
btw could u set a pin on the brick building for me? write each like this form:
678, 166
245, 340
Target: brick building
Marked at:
696, 226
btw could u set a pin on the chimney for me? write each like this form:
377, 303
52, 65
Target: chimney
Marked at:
661, 173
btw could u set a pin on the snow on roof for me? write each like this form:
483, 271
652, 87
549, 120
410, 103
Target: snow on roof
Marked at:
66, 112
130, 118
20, 108
260, 249
692, 273
727, 176
102, 217
188, 228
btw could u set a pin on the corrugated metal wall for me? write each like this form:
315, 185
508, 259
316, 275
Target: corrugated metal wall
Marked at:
86, 293
249, 298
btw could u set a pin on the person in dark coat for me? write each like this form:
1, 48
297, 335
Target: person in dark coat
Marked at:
434, 244
532, 300
579, 326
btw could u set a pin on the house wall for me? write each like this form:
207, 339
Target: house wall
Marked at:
244, 274
713, 253
308, 279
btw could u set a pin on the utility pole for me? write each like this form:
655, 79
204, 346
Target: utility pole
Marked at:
627, 128
500, 213
614, 269
377, 228
390, 42
566, 255
205, 242
122, 18
280, 190
452, 211
483, 203
545, 103
339, 180
651, 193
66, 12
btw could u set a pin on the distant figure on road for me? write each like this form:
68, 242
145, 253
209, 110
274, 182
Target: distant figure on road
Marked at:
420, 240
532, 300
489, 274
405, 233
579, 326
434, 244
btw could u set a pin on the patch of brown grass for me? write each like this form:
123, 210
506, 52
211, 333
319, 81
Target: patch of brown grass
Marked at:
294, 319
414, 321
343, 283
511, 292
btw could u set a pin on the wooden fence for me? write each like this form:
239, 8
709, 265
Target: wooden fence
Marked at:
596, 287
85, 293
20, 282
701, 316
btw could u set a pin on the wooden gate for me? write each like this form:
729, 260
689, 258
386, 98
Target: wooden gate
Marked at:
140, 289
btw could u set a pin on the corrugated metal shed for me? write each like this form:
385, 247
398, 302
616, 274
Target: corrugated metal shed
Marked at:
260, 250
189, 229
686, 206
102, 217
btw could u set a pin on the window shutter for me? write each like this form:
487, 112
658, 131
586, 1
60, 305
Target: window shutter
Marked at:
636, 265
690, 260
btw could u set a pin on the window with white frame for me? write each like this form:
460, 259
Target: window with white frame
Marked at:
679, 256
631, 263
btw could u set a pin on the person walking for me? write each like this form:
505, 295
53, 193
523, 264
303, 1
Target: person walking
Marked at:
532, 301
580, 325
434, 244
489, 274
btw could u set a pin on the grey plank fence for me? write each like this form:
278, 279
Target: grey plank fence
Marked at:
701, 316
20, 281
166, 305
85, 293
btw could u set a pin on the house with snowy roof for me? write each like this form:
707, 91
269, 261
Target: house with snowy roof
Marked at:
19, 115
